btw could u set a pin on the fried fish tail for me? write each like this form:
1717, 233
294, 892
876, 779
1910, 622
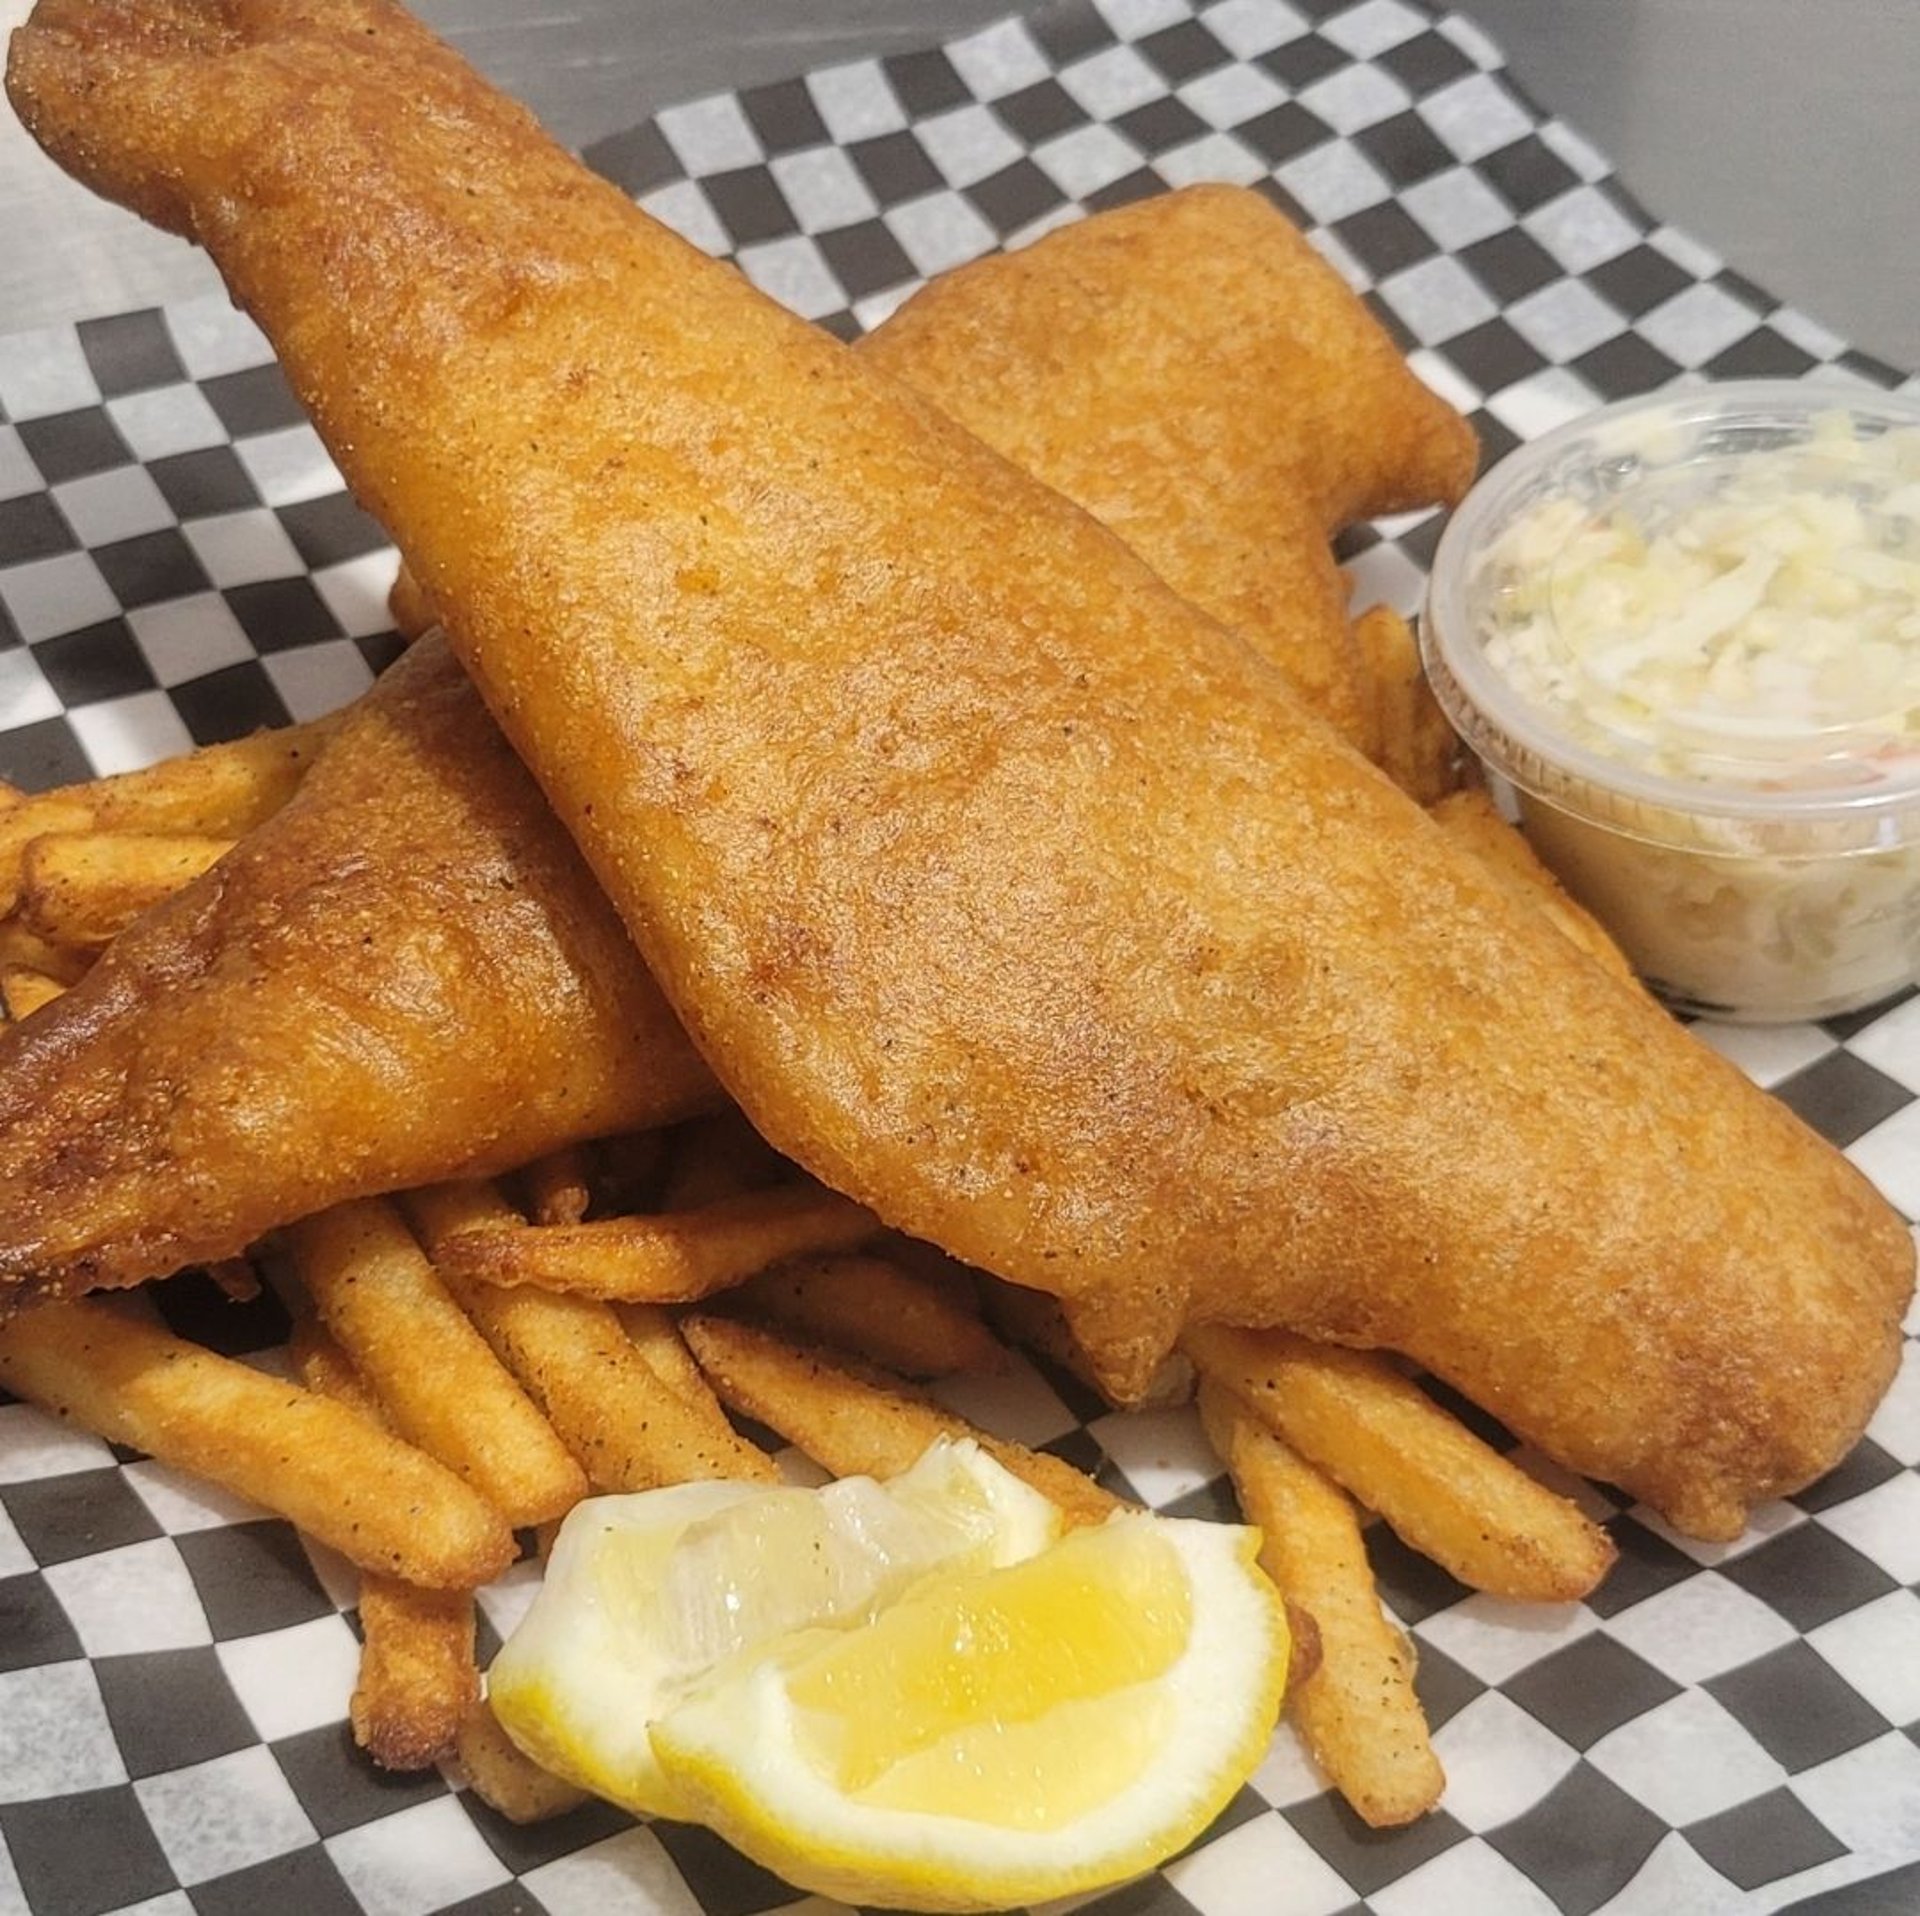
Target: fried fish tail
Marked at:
1008, 893
1199, 293
406, 972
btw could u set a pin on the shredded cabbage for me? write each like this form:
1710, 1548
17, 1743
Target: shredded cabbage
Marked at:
1743, 937
1746, 622
1751, 620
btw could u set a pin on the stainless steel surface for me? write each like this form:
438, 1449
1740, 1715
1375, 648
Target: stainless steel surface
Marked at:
1783, 134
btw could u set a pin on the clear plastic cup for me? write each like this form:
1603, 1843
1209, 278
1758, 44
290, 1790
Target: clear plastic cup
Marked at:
1731, 784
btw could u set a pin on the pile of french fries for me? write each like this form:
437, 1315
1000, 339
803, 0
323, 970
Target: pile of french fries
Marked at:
471, 1360
80, 864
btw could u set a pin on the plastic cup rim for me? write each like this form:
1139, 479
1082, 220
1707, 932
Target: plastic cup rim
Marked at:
1506, 729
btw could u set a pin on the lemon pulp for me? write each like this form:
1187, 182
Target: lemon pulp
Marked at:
999, 1737
645, 1595
1018, 1697
916, 1694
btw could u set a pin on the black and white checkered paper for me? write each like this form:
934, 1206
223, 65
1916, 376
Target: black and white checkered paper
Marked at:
1719, 1729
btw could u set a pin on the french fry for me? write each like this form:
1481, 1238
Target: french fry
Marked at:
672, 1258
64, 810
218, 791
1035, 1320
417, 1676
440, 1384
24, 991
656, 1336
719, 1156
558, 1186
629, 1426
874, 1309
28, 950
438, 1212
1445, 1492
854, 1420
503, 1777
316, 1359
1418, 749
408, 606
1304, 1654
1357, 1710
377, 1500
83, 889
1473, 821
235, 1278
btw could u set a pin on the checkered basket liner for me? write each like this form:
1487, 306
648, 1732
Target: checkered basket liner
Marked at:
1719, 1728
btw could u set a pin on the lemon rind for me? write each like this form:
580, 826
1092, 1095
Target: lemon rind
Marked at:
593, 1734
798, 1826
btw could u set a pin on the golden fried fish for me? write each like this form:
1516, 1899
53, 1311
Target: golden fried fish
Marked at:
1288, 408
350, 1006
406, 970
1006, 891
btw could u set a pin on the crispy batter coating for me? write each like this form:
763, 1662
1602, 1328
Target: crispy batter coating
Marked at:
1005, 891
1044, 354
140, 1200
406, 971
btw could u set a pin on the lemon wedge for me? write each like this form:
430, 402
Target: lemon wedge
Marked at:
997, 1737
918, 1694
645, 1595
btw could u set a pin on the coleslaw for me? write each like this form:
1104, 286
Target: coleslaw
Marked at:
1686, 633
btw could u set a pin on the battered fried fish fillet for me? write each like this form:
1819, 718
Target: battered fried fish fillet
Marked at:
1005, 891
236, 1015
405, 969
1327, 424
1192, 372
